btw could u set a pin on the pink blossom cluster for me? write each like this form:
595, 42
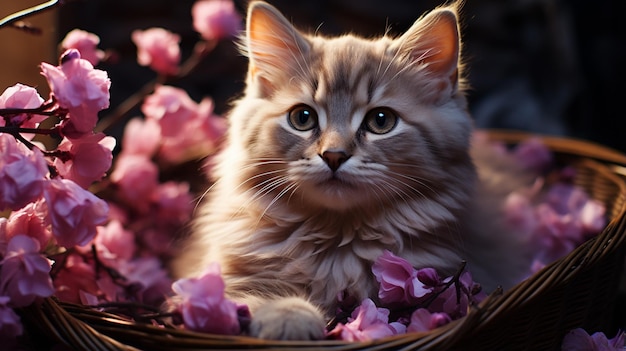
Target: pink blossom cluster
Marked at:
59, 238
44, 192
555, 217
417, 299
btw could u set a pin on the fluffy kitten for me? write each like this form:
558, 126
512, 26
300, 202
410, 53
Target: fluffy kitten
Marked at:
340, 149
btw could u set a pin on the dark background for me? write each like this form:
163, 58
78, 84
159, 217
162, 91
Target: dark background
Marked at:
547, 66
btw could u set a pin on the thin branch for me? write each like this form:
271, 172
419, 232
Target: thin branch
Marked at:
201, 50
27, 12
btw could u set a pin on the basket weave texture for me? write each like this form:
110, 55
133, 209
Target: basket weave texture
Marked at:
578, 290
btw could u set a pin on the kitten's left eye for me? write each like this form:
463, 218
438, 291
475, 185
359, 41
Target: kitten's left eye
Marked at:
302, 118
380, 120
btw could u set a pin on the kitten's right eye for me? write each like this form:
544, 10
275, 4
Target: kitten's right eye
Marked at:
302, 118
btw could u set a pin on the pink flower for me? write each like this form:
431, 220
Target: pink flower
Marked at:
76, 276
171, 107
31, 221
80, 89
89, 159
25, 274
215, 19
21, 96
136, 177
74, 212
368, 322
400, 283
22, 173
203, 306
141, 137
174, 202
86, 43
118, 241
423, 320
10, 323
579, 340
198, 137
158, 48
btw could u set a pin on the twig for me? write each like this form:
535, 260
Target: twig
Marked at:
201, 50
27, 12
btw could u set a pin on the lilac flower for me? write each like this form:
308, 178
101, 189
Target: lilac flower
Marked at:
203, 306
533, 154
21, 96
90, 158
74, 212
368, 322
579, 340
10, 323
80, 89
25, 274
423, 320
22, 173
400, 283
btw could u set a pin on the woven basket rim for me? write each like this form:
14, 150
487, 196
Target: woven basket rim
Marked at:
604, 160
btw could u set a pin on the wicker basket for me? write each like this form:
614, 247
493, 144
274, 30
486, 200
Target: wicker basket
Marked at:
579, 290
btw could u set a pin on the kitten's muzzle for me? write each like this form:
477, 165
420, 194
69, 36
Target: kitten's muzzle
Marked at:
334, 159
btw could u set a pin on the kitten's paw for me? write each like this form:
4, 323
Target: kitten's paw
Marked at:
290, 318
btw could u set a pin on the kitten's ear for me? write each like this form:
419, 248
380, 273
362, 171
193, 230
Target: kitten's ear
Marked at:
434, 41
273, 45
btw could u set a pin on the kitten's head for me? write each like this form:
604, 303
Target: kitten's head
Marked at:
350, 122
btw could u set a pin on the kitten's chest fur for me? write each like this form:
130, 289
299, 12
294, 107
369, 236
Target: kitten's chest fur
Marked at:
292, 247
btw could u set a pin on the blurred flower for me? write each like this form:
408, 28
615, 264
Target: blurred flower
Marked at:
21, 96
80, 89
90, 157
171, 107
423, 320
136, 177
188, 129
77, 275
203, 306
216, 19
174, 202
141, 137
533, 154
22, 173
74, 212
579, 340
158, 48
10, 323
86, 43
198, 137
368, 322
119, 242
25, 274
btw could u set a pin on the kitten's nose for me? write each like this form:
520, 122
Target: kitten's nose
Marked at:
334, 159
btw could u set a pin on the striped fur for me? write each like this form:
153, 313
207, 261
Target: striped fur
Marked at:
282, 223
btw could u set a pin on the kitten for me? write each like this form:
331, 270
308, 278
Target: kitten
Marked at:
339, 149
